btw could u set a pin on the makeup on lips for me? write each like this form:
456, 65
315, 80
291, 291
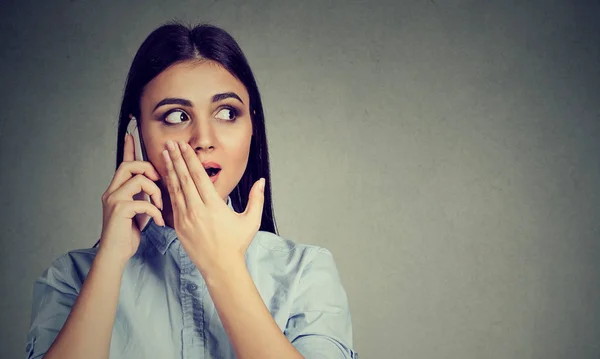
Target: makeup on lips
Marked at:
212, 169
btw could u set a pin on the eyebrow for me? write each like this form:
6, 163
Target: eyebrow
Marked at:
188, 103
223, 96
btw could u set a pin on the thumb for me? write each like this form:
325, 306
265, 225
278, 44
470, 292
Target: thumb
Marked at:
256, 202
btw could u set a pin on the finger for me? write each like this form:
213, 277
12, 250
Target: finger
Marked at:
200, 178
172, 183
138, 184
128, 149
130, 208
256, 202
188, 188
127, 170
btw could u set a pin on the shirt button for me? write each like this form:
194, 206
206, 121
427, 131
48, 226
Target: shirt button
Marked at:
191, 287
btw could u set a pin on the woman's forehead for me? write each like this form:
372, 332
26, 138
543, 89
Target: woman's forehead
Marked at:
196, 81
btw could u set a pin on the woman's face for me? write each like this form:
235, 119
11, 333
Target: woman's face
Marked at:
205, 106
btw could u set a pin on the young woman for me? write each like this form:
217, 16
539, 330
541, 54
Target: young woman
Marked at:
208, 276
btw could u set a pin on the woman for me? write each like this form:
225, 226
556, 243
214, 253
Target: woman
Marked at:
208, 276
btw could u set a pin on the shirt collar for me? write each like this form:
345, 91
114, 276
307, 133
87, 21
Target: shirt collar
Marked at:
162, 237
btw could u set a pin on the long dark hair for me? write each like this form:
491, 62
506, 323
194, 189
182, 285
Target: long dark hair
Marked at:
176, 42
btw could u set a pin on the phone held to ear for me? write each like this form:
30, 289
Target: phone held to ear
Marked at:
142, 219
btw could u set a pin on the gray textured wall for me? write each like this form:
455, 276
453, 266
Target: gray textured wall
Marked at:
446, 152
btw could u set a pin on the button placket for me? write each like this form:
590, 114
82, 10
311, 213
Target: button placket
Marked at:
192, 287
191, 284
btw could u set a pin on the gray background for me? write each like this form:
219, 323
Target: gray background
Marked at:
446, 152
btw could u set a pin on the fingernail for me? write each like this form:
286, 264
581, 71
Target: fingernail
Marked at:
165, 154
261, 185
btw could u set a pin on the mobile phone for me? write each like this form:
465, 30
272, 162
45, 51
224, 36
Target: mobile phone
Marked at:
142, 219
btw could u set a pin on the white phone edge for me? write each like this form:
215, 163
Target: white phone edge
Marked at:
142, 219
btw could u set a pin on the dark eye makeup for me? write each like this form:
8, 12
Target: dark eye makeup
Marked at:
225, 113
171, 115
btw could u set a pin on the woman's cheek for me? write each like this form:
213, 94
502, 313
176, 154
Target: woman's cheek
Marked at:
159, 164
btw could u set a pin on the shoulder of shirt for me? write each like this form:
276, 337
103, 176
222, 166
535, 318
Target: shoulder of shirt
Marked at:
81, 255
288, 257
278, 244
77, 255
74, 262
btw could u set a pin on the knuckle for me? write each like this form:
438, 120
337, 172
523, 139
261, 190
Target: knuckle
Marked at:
176, 190
110, 200
142, 179
118, 205
187, 221
193, 213
148, 165
196, 176
126, 167
185, 180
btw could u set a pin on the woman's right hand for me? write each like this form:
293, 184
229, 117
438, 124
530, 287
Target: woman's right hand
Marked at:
120, 233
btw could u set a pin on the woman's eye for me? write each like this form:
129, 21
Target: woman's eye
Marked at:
176, 116
227, 114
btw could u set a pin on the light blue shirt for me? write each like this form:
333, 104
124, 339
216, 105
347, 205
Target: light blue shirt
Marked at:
165, 310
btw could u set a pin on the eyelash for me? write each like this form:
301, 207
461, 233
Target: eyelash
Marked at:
233, 110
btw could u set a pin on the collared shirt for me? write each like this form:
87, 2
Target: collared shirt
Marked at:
165, 310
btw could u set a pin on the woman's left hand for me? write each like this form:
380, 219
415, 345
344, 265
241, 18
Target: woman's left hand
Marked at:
214, 236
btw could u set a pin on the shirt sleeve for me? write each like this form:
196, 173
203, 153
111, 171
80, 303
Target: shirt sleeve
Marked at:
320, 325
54, 294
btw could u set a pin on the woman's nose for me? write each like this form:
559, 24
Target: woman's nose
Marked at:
203, 136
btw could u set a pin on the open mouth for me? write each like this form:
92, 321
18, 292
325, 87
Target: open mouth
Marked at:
212, 171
